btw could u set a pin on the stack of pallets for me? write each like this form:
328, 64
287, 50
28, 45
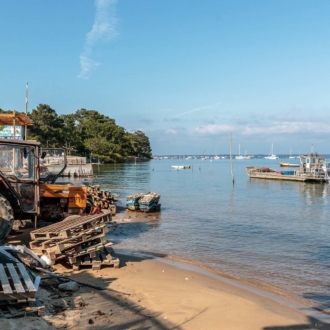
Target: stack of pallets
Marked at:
81, 240
18, 291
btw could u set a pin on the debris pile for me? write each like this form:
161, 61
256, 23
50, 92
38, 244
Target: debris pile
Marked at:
79, 240
143, 202
132, 201
101, 199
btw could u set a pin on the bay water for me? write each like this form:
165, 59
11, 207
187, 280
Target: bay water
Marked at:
272, 234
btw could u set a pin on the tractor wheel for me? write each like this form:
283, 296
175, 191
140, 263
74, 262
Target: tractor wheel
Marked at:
6, 218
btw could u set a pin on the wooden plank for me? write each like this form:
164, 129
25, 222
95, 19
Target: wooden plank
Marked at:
1, 313
15, 278
12, 309
4, 281
37, 282
26, 278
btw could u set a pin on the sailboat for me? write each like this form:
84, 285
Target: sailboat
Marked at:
216, 157
246, 156
271, 154
239, 153
291, 156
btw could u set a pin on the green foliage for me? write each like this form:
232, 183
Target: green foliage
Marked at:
87, 132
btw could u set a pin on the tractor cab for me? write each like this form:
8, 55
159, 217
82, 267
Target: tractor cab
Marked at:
27, 184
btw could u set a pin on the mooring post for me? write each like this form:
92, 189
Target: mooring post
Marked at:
231, 161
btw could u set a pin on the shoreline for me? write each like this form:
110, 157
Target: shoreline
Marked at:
127, 217
154, 292
260, 289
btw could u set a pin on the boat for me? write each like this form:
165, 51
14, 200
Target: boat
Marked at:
246, 156
149, 202
132, 201
239, 157
216, 157
180, 167
312, 168
271, 154
292, 157
285, 164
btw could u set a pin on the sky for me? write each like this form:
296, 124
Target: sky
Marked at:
185, 72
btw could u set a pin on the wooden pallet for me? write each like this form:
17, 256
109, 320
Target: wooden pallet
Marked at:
58, 245
70, 227
102, 257
8, 310
16, 283
91, 253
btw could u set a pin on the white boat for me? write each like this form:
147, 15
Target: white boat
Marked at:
239, 157
177, 167
292, 157
246, 156
271, 154
180, 167
216, 157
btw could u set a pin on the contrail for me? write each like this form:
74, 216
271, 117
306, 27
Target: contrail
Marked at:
197, 109
104, 28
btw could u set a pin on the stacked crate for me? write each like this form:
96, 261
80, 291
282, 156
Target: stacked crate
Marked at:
80, 240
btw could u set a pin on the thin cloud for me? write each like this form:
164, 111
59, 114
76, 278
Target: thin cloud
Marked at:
194, 110
104, 28
173, 120
146, 121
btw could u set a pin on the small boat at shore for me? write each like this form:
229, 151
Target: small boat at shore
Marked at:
285, 164
312, 168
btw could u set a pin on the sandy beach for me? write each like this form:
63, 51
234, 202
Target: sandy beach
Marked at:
149, 292
153, 294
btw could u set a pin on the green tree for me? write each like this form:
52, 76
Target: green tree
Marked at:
48, 126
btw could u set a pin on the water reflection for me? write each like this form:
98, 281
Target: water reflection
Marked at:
308, 190
311, 191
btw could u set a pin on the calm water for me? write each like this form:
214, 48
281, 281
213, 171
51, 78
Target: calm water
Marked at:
265, 232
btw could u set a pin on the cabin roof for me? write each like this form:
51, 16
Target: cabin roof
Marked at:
20, 119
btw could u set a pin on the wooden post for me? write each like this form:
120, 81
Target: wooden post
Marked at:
231, 161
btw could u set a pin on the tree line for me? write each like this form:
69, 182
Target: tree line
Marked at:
86, 133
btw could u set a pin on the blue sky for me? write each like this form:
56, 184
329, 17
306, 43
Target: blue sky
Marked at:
185, 72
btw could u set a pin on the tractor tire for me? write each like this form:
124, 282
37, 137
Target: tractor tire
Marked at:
6, 218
